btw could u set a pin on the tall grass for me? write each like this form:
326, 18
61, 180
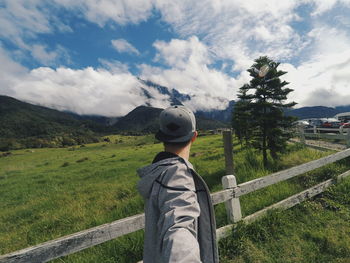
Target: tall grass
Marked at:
48, 193
316, 231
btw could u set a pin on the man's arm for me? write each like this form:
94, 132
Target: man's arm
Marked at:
179, 211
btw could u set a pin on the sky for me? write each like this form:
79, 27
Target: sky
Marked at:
86, 56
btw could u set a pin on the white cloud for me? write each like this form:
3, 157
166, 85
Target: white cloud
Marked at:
114, 66
20, 23
22, 19
121, 45
103, 11
324, 79
190, 73
179, 53
210, 30
112, 92
49, 57
85, 91
10, 73
237, 30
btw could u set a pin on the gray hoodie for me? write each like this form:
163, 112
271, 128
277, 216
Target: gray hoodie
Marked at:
180, 223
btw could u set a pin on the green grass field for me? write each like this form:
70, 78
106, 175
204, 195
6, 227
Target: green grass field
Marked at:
49, 193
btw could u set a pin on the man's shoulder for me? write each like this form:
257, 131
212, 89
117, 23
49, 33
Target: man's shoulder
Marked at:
179, 175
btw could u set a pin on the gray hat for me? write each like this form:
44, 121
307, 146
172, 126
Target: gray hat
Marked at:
177, 124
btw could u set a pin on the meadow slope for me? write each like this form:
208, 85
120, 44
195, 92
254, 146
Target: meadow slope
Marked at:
51, 192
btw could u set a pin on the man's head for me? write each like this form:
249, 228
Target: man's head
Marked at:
177, 126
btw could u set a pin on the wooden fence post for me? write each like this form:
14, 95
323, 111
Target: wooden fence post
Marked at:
315, 129
227, 138
302, 135
233, 206
348, 139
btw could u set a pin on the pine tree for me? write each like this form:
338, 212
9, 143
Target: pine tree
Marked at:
266, 106
242, 115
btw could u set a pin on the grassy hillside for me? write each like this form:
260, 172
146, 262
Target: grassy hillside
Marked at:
51, 192
26, 125
144, 119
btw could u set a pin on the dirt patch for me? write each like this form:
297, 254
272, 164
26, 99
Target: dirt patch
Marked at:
323, 144
197, 154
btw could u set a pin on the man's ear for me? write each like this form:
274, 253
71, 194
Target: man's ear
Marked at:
194, 137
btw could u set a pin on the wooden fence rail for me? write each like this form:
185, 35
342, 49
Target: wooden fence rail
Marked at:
315, 134
284, 204
87, 238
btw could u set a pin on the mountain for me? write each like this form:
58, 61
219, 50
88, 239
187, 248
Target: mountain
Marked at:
97, 119
178, 98
175, 97
144, 119
317, 112
24, 125
343, 108
220, 115
27, 125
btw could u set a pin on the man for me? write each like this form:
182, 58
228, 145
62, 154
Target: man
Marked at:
180, 222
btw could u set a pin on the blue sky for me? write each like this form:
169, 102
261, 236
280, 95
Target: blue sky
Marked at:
86, 55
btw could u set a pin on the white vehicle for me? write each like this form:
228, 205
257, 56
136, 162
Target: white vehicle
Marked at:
301, 123
345, 128
343, 117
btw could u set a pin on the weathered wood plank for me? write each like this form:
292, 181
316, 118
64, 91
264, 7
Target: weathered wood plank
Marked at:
94, 236
302, 134
233, 206
289, 202
75, 242
284, 204
265, 181
223, 232
222, 196
228, 150
88, 238
292, 200
320, 148
343, 175
326, 136
323, 129
297, 198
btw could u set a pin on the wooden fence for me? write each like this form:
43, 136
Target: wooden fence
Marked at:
319, 133
230, 195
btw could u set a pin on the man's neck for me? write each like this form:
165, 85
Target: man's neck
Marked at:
182, 152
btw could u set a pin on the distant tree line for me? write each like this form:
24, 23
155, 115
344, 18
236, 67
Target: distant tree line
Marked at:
51, 141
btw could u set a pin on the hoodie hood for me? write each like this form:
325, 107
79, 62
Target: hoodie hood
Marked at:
150, 173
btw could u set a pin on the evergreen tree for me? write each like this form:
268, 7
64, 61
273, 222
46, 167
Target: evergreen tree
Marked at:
242, 115
265, 107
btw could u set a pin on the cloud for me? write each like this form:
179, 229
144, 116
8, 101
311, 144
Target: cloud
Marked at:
229, 31
101, 12
237, 30
49, 57
109, 91
22, 21
84, 91
121, 45
323, 79
190, 72
114, 66
10, 73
